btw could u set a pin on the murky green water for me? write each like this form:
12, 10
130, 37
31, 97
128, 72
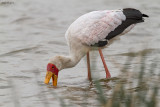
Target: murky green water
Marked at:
32, 31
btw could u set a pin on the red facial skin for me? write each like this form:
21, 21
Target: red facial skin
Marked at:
52, 68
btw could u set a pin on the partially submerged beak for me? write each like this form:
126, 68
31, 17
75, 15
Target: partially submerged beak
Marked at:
49, 74
54, 80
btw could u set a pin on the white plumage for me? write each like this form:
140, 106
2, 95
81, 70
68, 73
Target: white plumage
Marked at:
95, 26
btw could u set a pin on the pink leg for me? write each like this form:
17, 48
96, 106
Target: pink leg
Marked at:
88, 65
104, 63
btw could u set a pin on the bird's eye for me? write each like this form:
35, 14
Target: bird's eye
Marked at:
52, 67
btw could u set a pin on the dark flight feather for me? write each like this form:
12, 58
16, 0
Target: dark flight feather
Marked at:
133, 16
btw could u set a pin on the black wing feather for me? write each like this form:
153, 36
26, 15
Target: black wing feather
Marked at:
133, 16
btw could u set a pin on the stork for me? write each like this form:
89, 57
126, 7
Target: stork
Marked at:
94, 30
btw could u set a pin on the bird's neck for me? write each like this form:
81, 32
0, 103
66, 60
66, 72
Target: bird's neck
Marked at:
69, 61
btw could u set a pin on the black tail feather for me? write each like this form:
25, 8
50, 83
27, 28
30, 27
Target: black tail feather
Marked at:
144, 15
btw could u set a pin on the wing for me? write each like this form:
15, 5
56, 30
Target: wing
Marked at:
95, 26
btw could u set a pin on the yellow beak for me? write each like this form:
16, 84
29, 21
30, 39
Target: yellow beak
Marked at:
49, 74
54, 80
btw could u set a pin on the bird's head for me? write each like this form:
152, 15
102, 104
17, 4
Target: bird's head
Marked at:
54, 66
52, 72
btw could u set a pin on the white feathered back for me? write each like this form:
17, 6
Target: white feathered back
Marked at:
95, 26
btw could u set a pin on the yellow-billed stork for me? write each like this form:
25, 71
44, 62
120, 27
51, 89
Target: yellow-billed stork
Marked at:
95, 29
